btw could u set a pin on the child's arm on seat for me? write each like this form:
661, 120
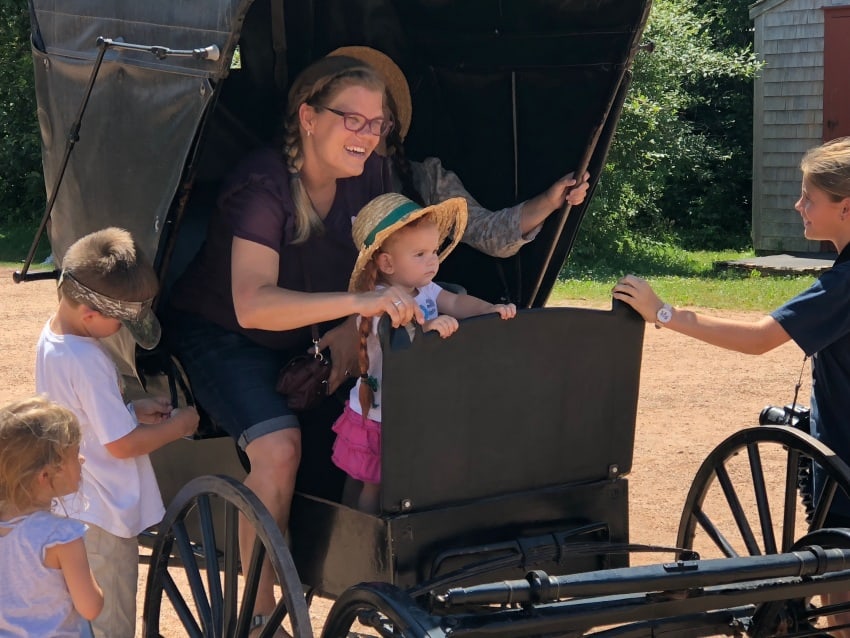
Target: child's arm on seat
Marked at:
86, 594
148, 437
463, 306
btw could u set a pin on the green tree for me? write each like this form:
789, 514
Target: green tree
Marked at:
21, 182
679, 168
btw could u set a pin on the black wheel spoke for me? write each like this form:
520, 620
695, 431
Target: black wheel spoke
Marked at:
231, 567
212, 567
715, 534
827, 494
789, 519
193, 575
180, 606
737, 511
760, 493
251, 576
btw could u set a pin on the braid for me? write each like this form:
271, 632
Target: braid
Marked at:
367, 391
395, 151
307, 221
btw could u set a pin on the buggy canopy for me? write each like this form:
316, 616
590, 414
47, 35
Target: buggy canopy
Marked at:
510, 94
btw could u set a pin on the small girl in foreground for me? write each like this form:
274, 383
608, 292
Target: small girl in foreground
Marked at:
399, 246
46, 585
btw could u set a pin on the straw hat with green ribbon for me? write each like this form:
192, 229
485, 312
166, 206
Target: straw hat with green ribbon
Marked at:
385, 214
393, 77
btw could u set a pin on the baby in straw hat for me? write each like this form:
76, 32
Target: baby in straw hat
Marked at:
399, 244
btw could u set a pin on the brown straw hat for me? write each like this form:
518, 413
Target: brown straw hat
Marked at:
385, 214
393, 77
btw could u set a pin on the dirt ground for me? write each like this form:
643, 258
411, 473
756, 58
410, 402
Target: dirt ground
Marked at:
692, 396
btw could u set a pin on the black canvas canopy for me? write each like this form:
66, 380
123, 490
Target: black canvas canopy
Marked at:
510, 94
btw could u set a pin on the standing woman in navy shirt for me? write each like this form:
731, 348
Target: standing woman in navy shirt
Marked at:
818, 319
277, 259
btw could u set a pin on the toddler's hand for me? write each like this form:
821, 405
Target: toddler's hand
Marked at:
444, 324
186, 420
152, 410
505, 310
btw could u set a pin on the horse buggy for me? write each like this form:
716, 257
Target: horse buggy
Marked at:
504, 508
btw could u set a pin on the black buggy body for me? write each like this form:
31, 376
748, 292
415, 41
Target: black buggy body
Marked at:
516, 462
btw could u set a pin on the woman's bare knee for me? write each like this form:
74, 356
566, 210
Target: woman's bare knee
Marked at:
275, 453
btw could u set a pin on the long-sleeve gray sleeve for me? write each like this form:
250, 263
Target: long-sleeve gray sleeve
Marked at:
495, 233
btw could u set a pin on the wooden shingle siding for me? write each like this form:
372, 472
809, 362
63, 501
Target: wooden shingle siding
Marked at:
778, 46
791, 117
788, 115
795, 88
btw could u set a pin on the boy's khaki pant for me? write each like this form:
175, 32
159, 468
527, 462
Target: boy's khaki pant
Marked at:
115, 564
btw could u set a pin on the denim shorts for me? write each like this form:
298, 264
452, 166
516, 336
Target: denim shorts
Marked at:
232, 377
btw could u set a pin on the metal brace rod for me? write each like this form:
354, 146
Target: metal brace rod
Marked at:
211, 53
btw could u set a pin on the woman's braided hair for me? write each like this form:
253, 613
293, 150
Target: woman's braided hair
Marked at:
395, 151
317, 85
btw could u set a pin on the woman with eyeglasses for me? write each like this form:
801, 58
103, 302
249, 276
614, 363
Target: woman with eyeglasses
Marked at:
277, 259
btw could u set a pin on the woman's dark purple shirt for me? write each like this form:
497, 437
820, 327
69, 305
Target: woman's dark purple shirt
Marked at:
255, 204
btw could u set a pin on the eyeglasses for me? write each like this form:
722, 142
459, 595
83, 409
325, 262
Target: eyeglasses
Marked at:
357, 123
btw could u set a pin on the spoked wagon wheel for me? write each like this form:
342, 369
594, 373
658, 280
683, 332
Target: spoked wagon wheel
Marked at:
380, 609
213, 608
734, 509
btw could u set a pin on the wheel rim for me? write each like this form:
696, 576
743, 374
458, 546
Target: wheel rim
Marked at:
733, 476
383, 609
211, 606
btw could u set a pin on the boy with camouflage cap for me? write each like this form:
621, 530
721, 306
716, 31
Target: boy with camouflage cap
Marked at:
105, 283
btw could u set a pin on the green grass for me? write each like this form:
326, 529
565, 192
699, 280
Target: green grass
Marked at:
15, 242
685, 278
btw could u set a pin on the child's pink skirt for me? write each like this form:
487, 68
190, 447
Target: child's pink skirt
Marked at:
357, 449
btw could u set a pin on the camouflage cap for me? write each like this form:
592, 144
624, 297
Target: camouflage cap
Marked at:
137, 316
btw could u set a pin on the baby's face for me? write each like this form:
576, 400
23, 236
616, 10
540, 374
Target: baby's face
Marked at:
412, 255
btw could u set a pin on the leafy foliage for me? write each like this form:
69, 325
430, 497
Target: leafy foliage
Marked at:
679, 169
21, 183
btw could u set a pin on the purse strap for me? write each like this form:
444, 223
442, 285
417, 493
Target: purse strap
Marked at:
314, 328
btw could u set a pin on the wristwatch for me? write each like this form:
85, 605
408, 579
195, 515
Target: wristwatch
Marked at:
664, 315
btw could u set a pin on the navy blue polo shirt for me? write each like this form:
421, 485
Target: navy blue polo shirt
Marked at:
818, 320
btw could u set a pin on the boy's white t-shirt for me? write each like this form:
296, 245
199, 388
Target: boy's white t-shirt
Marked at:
118, 495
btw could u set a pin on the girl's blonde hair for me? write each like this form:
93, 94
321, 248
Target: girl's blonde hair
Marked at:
35, 434
827, 167
318, 84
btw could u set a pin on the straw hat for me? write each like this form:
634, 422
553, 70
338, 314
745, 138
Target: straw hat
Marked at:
393, 78
385, 214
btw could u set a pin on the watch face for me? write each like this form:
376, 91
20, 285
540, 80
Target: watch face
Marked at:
665, 313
